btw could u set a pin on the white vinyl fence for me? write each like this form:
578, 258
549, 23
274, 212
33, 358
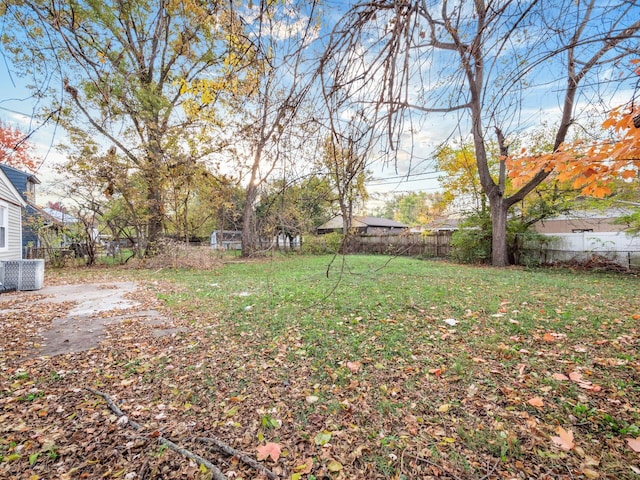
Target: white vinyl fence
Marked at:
618, 247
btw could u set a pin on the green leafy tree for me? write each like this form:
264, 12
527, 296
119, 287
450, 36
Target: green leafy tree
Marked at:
292, 209
463, 193
414, 208
122, 65
462, 190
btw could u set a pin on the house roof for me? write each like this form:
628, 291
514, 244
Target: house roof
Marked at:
361, 222
380, 222
443, 223
17, 198
18, 178
57, 216
593, 214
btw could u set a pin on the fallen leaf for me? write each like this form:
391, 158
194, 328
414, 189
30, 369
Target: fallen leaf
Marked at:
322, 438
634, 444
559, 376
312, 399
334, 466
269, 450
354, 367
564, 439
575, 376
231, 412
305, 467
590, 474
536, 402
444, 408
548, 338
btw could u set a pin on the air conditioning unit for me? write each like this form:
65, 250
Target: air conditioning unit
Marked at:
22, 274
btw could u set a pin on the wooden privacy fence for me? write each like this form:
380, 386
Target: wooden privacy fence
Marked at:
411, 244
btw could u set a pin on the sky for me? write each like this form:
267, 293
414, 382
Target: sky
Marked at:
413, 171
16, 108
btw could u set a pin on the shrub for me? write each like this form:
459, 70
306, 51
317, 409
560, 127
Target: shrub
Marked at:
322, 244
174, 254
472, 243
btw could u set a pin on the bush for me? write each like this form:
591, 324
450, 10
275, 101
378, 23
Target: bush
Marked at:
472, 243
173, 254
322, 244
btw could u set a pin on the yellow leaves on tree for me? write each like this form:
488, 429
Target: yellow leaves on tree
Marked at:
588, 167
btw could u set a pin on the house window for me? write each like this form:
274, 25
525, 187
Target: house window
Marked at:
4, 220
582, 230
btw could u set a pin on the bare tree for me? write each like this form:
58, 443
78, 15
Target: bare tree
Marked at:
274, 121
267, 113
487, 65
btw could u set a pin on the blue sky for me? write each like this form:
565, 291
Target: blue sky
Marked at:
541, 104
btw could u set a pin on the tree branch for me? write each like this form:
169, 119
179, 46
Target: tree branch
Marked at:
217, 474
217, 443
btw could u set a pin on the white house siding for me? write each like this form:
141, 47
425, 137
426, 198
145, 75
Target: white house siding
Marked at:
5, 192
11, 199
14, 234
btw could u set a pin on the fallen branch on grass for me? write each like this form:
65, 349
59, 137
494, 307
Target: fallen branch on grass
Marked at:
238, 454
217, 474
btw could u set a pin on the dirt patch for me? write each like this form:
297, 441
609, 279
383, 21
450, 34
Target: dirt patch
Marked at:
95, 307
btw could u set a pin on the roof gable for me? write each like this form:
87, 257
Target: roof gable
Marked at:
13, 194
19, 179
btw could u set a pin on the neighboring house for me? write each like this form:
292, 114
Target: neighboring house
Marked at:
583, 221
11, 206
583, 234
364, 226
25, 184
442, 224
57, 217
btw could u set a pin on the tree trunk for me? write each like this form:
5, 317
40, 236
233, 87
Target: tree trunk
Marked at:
499, 209
248, 222
155, 211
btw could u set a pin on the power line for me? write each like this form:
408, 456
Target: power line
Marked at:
15, 111
388, 181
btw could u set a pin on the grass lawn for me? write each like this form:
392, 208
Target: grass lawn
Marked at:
368, 367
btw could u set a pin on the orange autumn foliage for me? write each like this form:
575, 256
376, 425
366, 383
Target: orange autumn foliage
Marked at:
588, 167
14, 150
